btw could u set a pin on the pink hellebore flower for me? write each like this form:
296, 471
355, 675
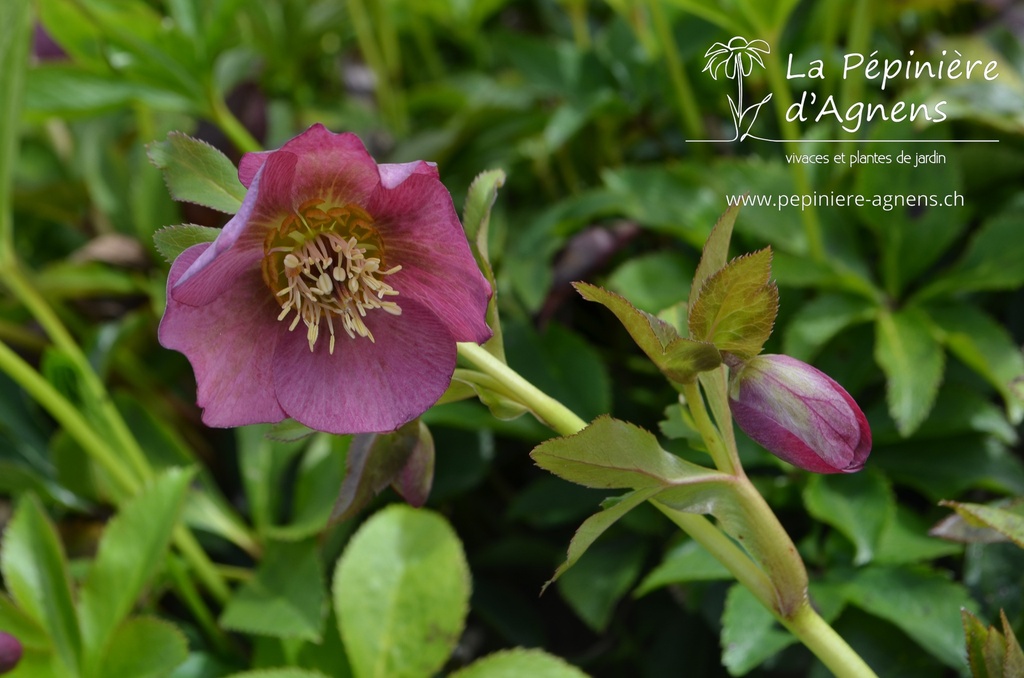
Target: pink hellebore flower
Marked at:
799, 414
370, 259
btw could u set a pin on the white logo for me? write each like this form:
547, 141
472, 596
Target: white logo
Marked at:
736, 59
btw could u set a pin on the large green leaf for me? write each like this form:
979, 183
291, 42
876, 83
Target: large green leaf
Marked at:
144, 647
401, 591
736, 306
987, 347
35, 572
319, 475
913, 362
859, 505
923, 603
132, 549
287, 598
263, 462
197, 172
518, 663
820, 320
615, 454
594, 587
685, 562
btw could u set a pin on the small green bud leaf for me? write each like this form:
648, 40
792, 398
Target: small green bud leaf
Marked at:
678, 359
197, 172
171, 241
716, 251
476, 216
736, 307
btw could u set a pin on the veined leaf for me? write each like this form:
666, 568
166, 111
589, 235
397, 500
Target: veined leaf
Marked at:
913, 362
197, 172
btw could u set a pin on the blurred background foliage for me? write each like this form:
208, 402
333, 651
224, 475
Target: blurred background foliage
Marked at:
586, 105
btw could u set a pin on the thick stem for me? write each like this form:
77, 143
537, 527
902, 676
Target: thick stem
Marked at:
232, 126
726, 460
827, 645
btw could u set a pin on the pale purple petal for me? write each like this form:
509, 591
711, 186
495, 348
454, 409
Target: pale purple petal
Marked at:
230, 344
365, 387
422, 233
393, 174
250, 164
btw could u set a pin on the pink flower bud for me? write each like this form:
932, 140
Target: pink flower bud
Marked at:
799, 414
10, 652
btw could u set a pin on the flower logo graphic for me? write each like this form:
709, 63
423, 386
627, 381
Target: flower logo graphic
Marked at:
736, 59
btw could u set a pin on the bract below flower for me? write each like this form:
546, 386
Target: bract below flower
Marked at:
799, 414
369, 259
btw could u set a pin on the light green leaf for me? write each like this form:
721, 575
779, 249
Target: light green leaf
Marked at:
923, 603
655, 281
906, 540
287, 597
144, 647
262, 462
70, 91
518, 663
736, 307
288, 672
171, 241
35, 572
615, 454
1007, 521
15, 622
678, 359
320, 474
132, 548
596, 525
401, 591
750, 634
476, 217
913, 362
859, 505
15, 36
197, 172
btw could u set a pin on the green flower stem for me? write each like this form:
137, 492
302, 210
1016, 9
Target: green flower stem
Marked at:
373, 53
685, 99
726, 460
231, 125
784, 593
195, 603
201, 565
551, 412
70, 419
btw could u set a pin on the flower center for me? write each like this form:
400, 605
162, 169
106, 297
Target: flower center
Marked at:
325, 265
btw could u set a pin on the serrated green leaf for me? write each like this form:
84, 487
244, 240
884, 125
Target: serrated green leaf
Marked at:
518, 663
1008, 522
401, 592
132, 548
736, 306
144, 647
287, 598
197, 172
923, 603
859, 505
976, 636
35, 572
715, 253
615, 454
1014, 662
750, 634
171, 241
986, 347
596, 525
476, 217
678, 359
907, 351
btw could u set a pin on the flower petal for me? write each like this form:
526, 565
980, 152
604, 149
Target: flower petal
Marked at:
230, 344
391, 175
422, 233
365, 387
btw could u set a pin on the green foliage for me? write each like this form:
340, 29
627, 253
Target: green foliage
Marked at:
401, 591
197, 172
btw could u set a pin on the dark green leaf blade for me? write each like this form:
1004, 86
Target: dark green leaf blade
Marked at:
144, 647
859, 505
